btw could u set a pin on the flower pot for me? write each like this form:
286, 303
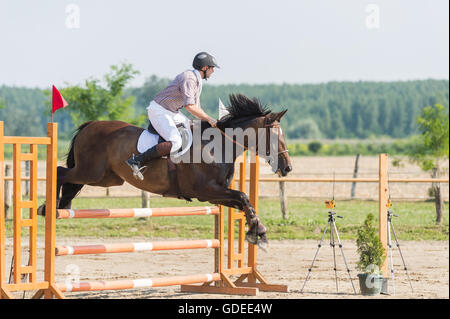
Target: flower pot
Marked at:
370, 284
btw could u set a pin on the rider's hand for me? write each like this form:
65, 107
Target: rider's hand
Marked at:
212, 122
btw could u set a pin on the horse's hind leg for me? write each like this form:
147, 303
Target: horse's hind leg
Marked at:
69, 191
61, 172
69, 182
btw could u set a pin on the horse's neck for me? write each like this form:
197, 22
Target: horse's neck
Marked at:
237, 147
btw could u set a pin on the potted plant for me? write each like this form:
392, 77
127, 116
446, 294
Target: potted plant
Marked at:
371, 258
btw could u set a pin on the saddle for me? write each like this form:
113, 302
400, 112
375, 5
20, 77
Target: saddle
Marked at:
181, 129
152, 130
172, 168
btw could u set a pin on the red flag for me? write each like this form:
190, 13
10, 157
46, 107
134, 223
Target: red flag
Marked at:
58, 100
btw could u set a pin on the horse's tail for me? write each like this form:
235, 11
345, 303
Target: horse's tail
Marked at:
70, 162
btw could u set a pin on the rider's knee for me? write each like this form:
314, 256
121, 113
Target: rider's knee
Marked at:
177, 142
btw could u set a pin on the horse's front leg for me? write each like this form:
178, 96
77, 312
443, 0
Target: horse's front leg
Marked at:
236, 199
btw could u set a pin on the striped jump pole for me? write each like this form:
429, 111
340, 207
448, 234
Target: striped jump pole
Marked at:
138, 283
136, 212
133, 247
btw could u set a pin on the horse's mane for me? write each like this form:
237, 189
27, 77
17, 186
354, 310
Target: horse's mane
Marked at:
241, 107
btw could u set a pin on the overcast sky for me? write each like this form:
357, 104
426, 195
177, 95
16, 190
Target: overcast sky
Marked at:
45, 42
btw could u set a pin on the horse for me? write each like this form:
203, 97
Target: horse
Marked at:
99, 149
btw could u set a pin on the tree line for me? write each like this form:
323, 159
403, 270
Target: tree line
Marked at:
328, 110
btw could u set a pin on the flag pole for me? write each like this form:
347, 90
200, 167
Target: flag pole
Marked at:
52, 106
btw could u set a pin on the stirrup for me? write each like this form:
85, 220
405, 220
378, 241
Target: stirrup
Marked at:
137, 171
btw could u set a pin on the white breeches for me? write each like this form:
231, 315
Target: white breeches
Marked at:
165, 123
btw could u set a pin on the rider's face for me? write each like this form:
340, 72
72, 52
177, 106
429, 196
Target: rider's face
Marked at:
209, 70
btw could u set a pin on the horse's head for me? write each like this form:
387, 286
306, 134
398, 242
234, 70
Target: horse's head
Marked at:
275, 152
268, 141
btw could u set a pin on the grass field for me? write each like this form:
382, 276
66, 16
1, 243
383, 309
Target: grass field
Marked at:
307, 219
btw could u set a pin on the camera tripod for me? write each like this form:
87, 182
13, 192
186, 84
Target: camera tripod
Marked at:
333, 233
391, 226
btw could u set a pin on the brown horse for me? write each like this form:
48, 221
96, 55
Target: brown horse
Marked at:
99, 150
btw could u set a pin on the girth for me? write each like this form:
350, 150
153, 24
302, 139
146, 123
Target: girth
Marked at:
173, 179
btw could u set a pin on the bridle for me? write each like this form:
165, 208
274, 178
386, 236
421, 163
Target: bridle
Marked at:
268, 127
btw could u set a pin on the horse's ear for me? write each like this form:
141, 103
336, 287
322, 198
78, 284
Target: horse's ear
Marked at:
277, 116
281, 114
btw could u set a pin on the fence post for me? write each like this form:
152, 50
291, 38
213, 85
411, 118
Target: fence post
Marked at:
355, 175
8, 192
145, 196
437, 196
283, 201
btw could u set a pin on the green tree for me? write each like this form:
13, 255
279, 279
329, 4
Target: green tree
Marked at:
431, 147
97, 102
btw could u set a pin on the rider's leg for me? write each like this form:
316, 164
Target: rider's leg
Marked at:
159, 150
163, 121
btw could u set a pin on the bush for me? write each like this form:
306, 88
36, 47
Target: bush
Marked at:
370, 249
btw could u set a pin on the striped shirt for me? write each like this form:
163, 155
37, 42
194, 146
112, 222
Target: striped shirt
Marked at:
184, 90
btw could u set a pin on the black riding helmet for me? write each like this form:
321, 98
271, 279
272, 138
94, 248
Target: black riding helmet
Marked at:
204, 59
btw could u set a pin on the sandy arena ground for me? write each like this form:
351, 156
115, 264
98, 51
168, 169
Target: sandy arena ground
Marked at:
286, 263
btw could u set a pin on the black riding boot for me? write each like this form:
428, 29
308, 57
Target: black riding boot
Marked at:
136, 162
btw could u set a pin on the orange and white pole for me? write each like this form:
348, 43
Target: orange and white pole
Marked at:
137, 283
136, 212
133, 247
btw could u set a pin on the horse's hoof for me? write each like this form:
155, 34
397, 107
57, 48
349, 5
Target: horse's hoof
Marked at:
251, 238
264, 245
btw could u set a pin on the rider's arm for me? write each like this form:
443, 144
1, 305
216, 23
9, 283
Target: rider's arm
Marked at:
198, 112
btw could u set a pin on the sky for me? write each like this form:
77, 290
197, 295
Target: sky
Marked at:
62, 42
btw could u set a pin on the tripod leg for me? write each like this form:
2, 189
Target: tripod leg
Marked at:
390, 255
314, 259
401, 255
334, 255
343, 256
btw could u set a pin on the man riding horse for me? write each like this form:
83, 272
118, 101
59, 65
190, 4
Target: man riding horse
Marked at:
163, 111
102, 152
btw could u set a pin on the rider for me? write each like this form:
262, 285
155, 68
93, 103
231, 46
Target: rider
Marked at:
163, 111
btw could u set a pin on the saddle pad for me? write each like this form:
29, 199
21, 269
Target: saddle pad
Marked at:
146, 140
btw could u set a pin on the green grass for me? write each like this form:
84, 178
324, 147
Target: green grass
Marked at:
307, 219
